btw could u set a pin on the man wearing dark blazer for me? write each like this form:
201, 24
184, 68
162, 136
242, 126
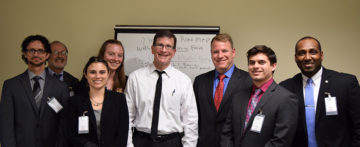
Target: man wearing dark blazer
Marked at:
30, 108
212, 119
339, 127
264, 115
57, 62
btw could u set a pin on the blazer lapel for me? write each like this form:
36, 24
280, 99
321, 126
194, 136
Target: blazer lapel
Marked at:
244, 100
267, 95
66, 77
46, 93
229, 89
298, 85
210, 92
324, 87
25, 82
86, 106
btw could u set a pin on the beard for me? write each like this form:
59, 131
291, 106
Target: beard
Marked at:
36, 64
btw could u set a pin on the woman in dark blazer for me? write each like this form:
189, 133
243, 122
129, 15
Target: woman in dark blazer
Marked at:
106, 111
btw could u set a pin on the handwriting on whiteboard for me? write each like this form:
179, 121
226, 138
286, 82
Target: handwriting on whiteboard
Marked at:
192, 52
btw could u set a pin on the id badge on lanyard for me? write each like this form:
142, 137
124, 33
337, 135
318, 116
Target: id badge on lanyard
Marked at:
330, 105
83, 124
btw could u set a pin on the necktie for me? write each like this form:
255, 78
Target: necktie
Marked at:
155, 117
37, 90
310, 113
57, 76
219, 91
252, 106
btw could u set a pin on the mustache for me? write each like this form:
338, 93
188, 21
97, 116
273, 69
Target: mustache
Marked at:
35, 57
306, 62
59, 58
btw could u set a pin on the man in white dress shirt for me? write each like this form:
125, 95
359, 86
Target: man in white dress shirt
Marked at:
161, 101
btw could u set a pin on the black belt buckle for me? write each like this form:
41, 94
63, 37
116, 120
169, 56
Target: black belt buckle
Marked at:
158, 138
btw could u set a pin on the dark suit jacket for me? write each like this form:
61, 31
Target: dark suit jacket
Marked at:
331, 131
280, 109
210, 121
70, 80
114, 120
22, 124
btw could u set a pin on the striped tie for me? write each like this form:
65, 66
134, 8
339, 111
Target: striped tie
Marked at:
252, 106
37, 91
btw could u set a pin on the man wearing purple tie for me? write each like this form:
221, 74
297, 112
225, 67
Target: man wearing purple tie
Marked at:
264, 115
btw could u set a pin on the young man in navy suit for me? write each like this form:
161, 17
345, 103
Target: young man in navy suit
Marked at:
212, 110
32, 103
264, 115
329, 101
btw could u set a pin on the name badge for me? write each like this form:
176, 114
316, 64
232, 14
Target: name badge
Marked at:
54, 104
257, 123
83, 124
71, 91
330, 105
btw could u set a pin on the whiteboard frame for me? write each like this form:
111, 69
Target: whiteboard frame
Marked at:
174, 29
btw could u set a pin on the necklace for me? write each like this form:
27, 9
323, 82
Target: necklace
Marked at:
95, 103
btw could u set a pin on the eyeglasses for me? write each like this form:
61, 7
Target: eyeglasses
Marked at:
33, 51
160, 46
64, 53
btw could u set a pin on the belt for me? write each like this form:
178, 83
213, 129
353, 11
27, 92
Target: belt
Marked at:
159, 138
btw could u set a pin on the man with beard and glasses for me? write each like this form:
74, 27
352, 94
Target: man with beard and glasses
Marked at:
32, 103
329, 101
57, 62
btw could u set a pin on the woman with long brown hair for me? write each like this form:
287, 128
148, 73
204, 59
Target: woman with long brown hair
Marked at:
112, 51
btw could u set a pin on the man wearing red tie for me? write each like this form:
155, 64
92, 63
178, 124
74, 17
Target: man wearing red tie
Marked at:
215, 90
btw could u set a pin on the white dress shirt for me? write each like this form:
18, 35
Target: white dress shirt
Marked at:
316, 85
178, 111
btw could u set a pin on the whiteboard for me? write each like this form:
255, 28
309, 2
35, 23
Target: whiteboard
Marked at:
193, 56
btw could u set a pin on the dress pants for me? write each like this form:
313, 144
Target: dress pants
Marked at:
140, 140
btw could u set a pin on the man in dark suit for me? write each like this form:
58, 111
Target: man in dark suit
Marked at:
57, 62
212, 115
265, 115
30, 108
329, 101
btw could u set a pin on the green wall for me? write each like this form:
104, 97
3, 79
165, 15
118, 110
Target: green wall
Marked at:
84, 24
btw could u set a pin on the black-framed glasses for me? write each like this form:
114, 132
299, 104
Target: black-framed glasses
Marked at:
64, 52
33, 51
160, 46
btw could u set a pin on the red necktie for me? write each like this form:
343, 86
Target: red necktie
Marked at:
219, 91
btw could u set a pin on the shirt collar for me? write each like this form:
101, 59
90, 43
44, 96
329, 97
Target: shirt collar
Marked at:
228, 73
314, 78
51, 72
32, 75
265, 86
167, 70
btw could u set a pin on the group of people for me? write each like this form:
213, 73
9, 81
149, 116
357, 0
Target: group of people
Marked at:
159, 106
